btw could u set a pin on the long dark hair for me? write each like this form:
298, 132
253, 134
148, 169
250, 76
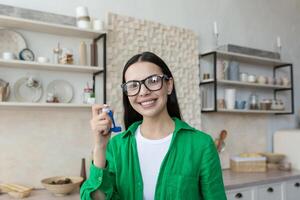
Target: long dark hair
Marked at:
130, 115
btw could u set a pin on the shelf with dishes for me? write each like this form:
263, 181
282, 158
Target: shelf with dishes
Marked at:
251, 111
246, 84
49, 66
50, 28
43, 105
30, 91
15, 54
238, 83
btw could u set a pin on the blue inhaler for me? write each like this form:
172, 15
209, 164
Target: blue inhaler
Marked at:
115, 128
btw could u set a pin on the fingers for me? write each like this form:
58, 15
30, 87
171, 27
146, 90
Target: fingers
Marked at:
96, 108
101, 123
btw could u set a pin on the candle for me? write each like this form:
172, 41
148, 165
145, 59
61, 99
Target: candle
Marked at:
278, 42
215, 28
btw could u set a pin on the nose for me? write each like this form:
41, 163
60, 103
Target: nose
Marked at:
143, 90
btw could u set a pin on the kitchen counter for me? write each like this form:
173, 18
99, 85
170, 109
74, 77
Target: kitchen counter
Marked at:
42, 194
232, 180
235, 180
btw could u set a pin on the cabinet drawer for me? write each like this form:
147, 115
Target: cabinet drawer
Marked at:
270, 192
243, 194
293, 189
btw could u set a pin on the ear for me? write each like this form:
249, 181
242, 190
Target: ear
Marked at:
170, 84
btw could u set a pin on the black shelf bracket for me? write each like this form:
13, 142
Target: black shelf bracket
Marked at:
94, 62
290, 66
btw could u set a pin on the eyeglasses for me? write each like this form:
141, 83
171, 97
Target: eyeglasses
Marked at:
152, 83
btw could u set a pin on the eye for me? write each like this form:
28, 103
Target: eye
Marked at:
153, 80
132, 85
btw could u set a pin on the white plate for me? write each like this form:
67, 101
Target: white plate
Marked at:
11, 41
24, 93
61, 89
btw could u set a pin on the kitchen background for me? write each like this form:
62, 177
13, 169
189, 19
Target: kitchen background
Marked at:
40, 136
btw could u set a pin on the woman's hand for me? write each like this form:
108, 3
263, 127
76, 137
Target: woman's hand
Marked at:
100, 125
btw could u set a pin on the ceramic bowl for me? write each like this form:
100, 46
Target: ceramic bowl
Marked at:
273, 157
61, 189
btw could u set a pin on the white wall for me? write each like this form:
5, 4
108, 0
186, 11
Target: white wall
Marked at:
253, 23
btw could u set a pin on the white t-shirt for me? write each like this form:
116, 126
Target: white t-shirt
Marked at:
151, 154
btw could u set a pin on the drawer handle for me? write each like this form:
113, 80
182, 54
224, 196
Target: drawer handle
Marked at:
297, 184
270, 189
239, 195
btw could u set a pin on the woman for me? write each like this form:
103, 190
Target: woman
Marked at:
158, 156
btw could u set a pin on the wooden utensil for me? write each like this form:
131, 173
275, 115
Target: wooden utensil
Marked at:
221, 139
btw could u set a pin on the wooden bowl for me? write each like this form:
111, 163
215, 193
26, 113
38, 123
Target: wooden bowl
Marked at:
273, 157
61, 189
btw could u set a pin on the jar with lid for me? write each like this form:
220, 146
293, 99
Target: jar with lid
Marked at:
87, 92
57, 54
253, 101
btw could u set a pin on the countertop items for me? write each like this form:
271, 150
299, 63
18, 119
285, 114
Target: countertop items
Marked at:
38, 194
234, 180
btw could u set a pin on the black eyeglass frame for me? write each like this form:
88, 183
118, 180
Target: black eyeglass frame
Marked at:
163, 77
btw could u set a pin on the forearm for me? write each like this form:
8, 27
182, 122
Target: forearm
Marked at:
99, 156
98, 195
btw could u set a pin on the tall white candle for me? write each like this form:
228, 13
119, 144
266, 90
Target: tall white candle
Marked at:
215, 28
278, 42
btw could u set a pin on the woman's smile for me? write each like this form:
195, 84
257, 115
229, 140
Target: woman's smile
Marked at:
149, 103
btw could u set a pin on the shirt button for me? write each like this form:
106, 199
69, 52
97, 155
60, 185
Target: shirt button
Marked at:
100, 179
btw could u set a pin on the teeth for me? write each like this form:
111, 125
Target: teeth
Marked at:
145, 103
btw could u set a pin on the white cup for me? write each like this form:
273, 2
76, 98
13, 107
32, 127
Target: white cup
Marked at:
82, 11
244, 77
251, 78
98, 24
230, 98
8, 56
83, 24
42, 59
285, 81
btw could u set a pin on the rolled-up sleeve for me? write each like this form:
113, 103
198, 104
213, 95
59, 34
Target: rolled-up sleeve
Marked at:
100, 179
211, 180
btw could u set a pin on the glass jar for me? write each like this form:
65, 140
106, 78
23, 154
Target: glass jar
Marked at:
57, 54
253, 101
87, 94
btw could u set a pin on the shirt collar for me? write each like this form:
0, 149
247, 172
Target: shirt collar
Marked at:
178, 126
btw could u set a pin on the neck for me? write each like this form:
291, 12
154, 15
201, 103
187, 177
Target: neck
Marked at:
157, 127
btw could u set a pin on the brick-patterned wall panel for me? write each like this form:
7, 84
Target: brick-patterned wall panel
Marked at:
178, 47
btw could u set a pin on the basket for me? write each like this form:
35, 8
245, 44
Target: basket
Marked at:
239, 164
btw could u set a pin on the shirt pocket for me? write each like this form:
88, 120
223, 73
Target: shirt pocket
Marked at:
181, 187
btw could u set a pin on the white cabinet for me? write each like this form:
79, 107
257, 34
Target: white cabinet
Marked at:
285, 190
292, 189
243, 194
270, 192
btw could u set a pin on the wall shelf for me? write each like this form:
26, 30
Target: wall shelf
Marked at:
247, 58
50, 28
62, 30
48, 66
245, 84
42, 105
252, 111
274, 64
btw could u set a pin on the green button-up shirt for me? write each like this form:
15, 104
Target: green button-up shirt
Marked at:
190, 170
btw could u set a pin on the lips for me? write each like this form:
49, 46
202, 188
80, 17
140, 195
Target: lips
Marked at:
148, 103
